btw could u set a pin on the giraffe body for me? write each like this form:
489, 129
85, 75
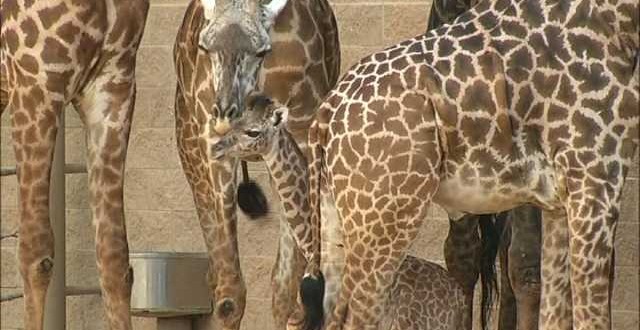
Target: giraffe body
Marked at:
83, 52
516, 102
224, 50
424, 295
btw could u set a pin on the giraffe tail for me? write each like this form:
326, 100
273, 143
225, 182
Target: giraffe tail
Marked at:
490, 238
312, 286
251, 199
312, 297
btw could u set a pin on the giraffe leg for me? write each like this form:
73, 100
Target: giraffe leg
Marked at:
107, 108
508, 317
217, 215
34, 142
373, 253
593, 208
286, 276
555, 300
524, 264
462, 254
4, 84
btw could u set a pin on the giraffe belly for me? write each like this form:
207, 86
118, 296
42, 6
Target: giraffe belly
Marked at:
458, 197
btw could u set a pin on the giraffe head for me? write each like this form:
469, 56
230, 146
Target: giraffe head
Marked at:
236, 36
254, 133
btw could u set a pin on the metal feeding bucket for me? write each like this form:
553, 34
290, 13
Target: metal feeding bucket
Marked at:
168, 284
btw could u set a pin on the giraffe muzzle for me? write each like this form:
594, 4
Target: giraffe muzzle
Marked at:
222, 126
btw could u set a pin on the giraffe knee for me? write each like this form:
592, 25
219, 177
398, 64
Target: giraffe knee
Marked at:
39, 272
225, 308
526, 280
45, 266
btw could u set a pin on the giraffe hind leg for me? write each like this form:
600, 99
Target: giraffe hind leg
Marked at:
462, 249
371, 259
108, 109
524, 264
34, 143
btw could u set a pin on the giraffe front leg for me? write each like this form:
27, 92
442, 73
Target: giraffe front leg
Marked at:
230, 290
213, 188
593, 208
4, 83
555, 300
285, 277
33, 142
108, 107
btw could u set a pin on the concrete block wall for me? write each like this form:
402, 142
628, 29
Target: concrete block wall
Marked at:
158, 201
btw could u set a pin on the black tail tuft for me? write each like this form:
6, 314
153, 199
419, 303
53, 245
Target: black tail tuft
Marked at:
312, 296
251, 199
490, 237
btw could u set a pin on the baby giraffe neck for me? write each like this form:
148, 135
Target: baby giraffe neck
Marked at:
288, 168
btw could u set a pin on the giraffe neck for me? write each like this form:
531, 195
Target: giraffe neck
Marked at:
288, 168
289, 171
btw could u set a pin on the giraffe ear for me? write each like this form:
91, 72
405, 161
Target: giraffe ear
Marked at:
280, 116
272, 10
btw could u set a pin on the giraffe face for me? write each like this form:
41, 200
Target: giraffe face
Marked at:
255, 132
236, 36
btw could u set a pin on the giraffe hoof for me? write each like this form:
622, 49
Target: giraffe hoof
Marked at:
225, 307
251, 200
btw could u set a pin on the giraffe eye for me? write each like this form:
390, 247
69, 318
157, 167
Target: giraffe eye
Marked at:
263, 53
252, 133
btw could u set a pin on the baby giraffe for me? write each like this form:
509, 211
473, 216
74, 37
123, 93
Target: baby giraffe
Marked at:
424, 295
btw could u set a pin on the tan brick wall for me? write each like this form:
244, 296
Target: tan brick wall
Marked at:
158, 200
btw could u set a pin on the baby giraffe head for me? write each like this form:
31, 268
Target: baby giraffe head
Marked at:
254, 132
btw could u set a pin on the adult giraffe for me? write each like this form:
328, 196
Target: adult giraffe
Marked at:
83, 52
516, 102
219, 53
